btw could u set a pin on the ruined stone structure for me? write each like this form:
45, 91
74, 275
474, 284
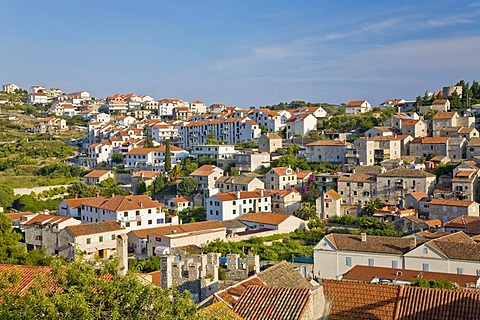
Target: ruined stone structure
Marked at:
198, 273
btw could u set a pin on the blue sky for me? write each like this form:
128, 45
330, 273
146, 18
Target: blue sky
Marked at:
242, 53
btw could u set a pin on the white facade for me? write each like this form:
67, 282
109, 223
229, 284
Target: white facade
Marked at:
231, 205
153, 158
300, 125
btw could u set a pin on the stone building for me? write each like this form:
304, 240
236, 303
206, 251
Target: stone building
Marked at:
199, 273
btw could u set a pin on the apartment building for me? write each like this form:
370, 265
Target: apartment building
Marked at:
281, 178
327, 150
231, 205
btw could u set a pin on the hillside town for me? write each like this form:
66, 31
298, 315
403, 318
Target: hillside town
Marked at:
299, 211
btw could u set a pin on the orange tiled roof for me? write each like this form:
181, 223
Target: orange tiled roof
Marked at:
47, 219
444, 115
162, 148
121, 203
231, 196
265, 218
204, 171
355, 103
326, 143
96, 173
282, 171
179, 229
453, 203
84, 229
333, 194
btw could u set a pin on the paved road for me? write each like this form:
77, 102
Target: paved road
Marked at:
37, 190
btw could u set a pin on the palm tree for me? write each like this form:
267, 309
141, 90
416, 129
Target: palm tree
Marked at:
175, 173
306, 212
371, 205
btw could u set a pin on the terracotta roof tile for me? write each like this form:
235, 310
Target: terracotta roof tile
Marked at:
407, 173
374, 244
45, 219
469, 224
327, 143
122, 203
352, 300
425, 303
355, 103
444, 115
264, 217
260, 302
358, 177
84, 229
452, 203
204, 171
333, 194
179, 229
96, 173
367, 273
29, 276
231, 196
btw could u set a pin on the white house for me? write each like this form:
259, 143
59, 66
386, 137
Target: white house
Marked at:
452, 253
300, 125
337, 253
281, 178
38, 98
198, 107
132, 212
10, 88
357, 106
231, 205
153, 158
284, 223
206, 176
97, 239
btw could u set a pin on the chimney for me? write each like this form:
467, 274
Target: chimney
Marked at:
226, 174
98, 194
364, 237
130, 193
76, 195
238, 194
413, 243
261, 193
122, 252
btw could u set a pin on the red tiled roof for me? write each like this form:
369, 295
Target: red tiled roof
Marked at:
179, 229
333, 194
122, 203
265, 217
28, 277
352, 300
204, 171
282, 171
355, 103
444, 115
144, 151
367, 273
469, 224
326, 143
96, 173
146, 174
453, 203
230, 196
418, 303
47, 219
374, 244
84, 229
260, 302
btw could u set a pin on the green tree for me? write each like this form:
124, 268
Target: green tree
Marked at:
82, 190
141, 187
175, 173
159, 185
369, 208
6, 196
188, 186
10, 251
306, 211
148, 143
118, 158
86, 294
168, 157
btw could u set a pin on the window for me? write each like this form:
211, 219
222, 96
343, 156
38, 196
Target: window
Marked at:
348, 261
478, 272
125, 214
113, 237
149, 210
244, 201
127, 225
266, 208
100, 239
395, 264
425, 250
371, 262
459, 270
139, 223
234, 211
150, 221
137, 213
160, 221
234, 202
89, 240
425, 267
